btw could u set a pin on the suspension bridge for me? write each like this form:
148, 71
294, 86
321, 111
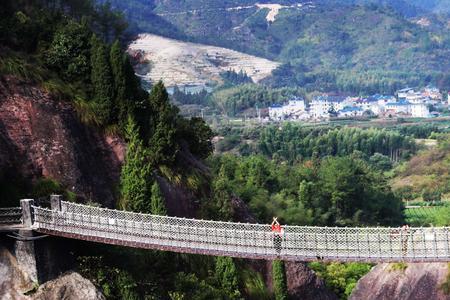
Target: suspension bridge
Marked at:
243, 240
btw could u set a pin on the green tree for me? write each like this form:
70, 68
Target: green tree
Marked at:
116, 58
69, 51
126, 286
431, 195
158, 206
136, 173
340, 278
198, 136
102, 81
380, 162
222, 196
163, 145
279, 280
227, 277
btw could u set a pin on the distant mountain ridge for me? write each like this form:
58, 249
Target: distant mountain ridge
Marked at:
405, 7
347, 45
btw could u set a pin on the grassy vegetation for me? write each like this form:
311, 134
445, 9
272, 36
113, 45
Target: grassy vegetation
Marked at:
399, 267
425, 216
16, 65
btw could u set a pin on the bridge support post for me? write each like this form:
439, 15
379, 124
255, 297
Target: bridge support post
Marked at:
27, 217
25, 250
55, 202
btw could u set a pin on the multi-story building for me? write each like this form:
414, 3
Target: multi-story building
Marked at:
321, 106
415, 110
433, 93
294, 109
420, 111
400, 107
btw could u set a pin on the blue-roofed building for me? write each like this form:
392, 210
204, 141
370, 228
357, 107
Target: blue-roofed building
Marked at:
403, 107
350, 111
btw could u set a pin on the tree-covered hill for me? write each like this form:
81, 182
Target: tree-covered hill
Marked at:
348, 45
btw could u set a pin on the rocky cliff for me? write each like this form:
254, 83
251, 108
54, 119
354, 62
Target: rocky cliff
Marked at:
40, 136
43, 137
419, 281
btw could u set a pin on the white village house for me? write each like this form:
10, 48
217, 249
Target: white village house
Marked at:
294, 109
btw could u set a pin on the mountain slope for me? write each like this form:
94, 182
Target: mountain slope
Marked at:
436, 6
181, 63
324, 44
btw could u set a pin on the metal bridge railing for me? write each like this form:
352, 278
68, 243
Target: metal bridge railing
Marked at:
11, 215
244, 240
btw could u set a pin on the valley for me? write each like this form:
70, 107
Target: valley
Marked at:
83, 114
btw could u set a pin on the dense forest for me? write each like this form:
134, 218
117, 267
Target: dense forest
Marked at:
292, 142
331, 191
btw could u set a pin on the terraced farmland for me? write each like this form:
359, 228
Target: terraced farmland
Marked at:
190, 64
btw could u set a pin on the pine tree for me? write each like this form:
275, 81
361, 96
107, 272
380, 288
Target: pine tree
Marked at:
279, 280
136, 173
158, 206
116, 58
102, 81
227, 277
162, 144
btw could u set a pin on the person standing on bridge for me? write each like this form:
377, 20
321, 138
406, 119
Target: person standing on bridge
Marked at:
405, 232
277, 231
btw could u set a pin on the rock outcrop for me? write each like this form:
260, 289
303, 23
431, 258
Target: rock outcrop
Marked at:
40, 136
17, 284
419, 281
303, 283
14, 281
70, 286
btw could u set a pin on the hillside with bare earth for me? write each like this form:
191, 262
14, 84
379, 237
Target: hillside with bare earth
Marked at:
183, 63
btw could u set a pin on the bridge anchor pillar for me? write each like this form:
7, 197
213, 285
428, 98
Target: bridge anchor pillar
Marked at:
55, 202
27, 217
25, 250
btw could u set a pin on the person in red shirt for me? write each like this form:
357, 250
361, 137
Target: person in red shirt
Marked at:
277, 231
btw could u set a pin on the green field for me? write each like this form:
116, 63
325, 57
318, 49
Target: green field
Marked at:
423, 216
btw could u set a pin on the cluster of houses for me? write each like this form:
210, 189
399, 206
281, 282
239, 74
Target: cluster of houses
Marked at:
407, 103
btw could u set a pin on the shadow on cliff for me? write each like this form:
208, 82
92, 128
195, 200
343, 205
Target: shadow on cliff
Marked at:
42, 137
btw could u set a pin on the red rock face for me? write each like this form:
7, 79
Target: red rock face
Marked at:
419, 281
40, 136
